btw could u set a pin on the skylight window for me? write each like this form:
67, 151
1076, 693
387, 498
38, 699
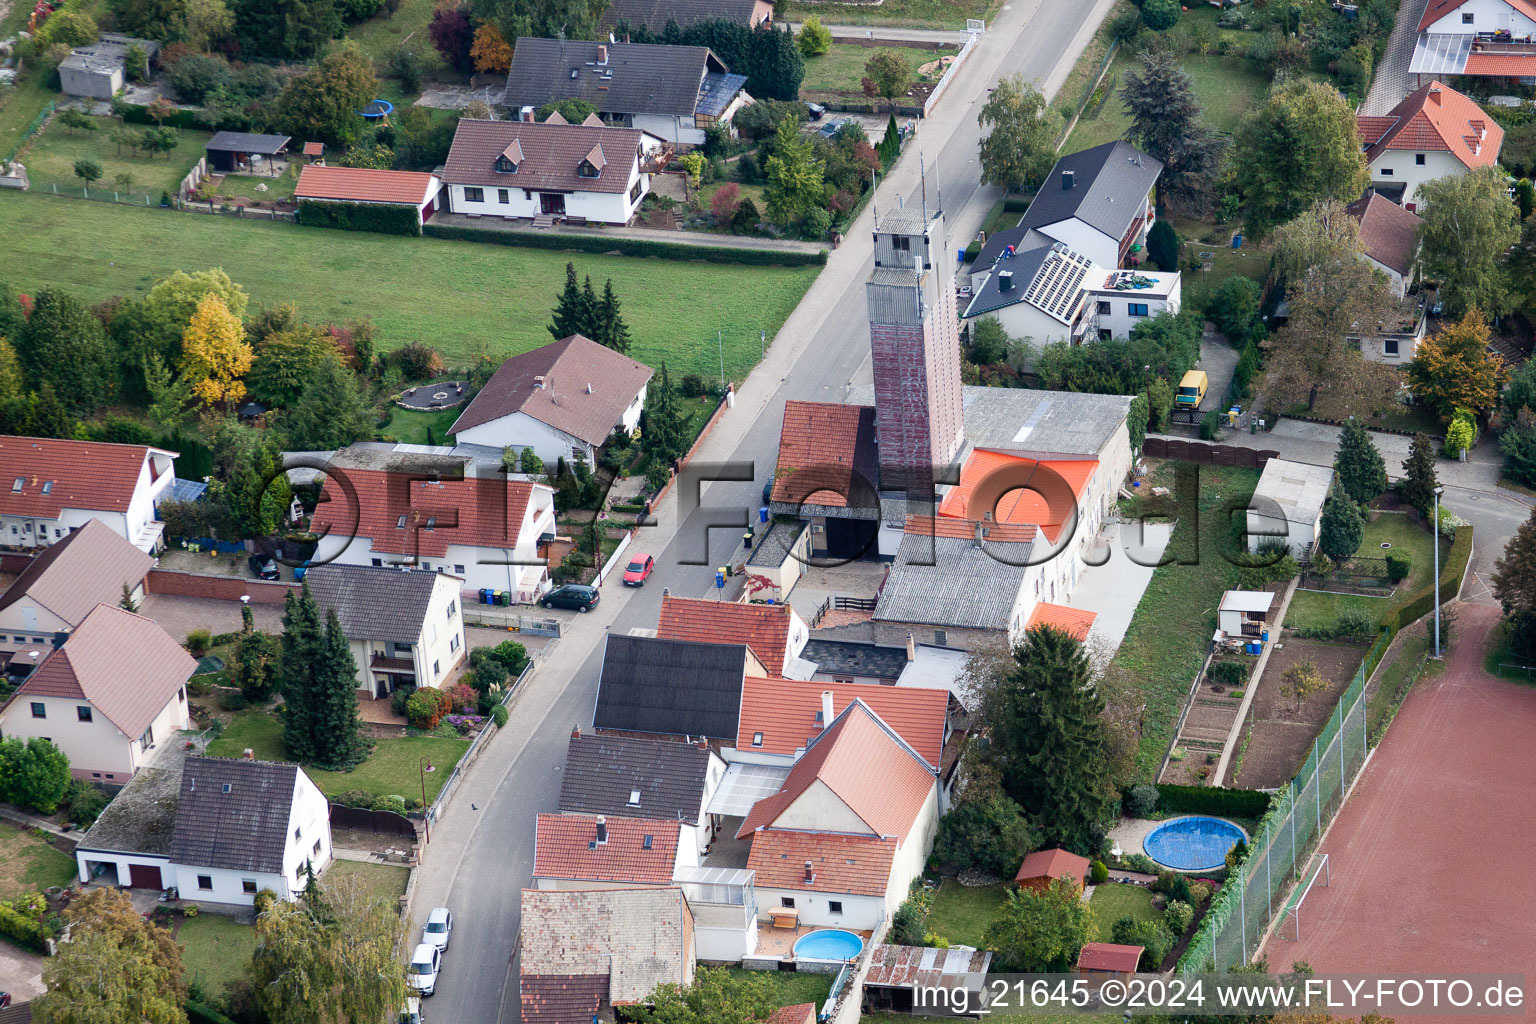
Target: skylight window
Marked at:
634, 798
48, 487
757, 739
400, 523
16, 486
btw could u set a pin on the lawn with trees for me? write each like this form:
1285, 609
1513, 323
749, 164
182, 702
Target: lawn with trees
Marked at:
130, 162
842, 68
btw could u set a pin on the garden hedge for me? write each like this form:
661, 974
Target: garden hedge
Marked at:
384, 220
198, 1013
1421, 603
1236, 803
1016, 204
134, 113
25, 931
627, 246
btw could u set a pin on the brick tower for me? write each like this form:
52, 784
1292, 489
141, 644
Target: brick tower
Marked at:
915, 340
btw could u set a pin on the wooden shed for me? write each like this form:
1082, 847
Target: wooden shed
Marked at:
1040, 867
1105, 960
232, 151
1244, 613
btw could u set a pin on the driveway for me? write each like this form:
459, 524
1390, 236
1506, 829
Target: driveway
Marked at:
1115, 588
1392, 81
21, 974
1219, 361
178, 615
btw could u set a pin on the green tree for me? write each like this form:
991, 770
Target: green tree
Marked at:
530, 463
815, 38
34, 775
1469, 225
301, 649
338, 738
1514, 585
1163, 246
214, 355
1045, 725
1525, 197
1019, 144
612, 331
149, 19
1342, 527
1160, 15
1299, 147
1360, 468
332, 411
574, 109
1518, 444
285, 362
1167, 124
287, 29
256, 661
170, 398
795, 177
1154, 938
989, 341
73, 120
889, 72
1159, 404
1455, 368
1235, 309
117, 966
322, 103
577, 19
663, 436
128, 602
890, 143
1419, 478
575, 311
990, 834
46, 416
64, 345
13, 381
717, 996
1037, 932
203, 24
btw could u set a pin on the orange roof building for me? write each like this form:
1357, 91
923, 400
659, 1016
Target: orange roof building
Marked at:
774, 633
1040, 867
1003, 488
572, 851
49, 487
827, 459
1075, 621
1433, 132
780, 716
1108, 958
320, 183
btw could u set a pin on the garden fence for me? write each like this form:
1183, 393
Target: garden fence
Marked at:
108, 194
1233, 929
31, 130
473, 753
1081, 104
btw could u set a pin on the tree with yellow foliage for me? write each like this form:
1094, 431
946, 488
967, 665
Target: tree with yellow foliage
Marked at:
1454, 369
214, 353
491, 51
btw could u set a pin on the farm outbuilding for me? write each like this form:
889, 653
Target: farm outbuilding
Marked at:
232, 151
1040, 867
1105, 960
1288, 505
415, 189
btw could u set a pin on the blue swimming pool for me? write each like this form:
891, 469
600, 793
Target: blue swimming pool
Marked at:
829, 944
1195, 843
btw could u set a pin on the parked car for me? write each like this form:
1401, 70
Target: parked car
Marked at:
5, 1000
264, 566
767, 490
410, 1013
638, 569
421, 975
439, 928
815, 110
831, 128
573, 595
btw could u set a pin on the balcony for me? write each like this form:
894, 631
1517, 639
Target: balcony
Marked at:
396, 666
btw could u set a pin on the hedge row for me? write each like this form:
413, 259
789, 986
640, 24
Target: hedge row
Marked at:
384, 220
25, 931
1016, 204
1421, 603
627, 246
134, 113
1235, 803
198, 1013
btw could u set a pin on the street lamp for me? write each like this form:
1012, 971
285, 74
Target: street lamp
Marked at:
1435, 540
425, 766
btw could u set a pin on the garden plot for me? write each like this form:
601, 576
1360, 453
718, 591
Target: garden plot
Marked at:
1281, 731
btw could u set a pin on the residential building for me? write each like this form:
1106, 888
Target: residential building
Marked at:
1052, 293
90, 566
631, 776
1390, 234
657, 687
841, 840
57, 485
106, 695
672, 92
775, 633
580, 172
625, 16
99, 70
594, 851
1118, 300
1043, 867
563, 400
433, 508
848, 654
1479, 38
219, 830
1434, 132
780, 718
404, 626
899, 977
369, 187
1288, 504
580, 953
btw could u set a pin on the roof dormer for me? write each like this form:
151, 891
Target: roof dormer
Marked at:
510, 158
592, 164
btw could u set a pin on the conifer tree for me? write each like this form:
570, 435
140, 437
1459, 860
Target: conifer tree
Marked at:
1362, 472
1342, 527
567, 319
662, 436
301, 643
338, 739
612, 331
1420, 480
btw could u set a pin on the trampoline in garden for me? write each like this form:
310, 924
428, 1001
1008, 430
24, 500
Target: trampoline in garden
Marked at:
378, 110
1195, 843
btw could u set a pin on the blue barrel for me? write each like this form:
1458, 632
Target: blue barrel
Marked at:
487, 595
1237, 241
762, 514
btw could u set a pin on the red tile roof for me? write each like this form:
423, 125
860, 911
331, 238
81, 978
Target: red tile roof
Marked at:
1438, 118
827, 456
864, 764
562, 998
314, 149
562, 848
474, 511
1389, 233
800, 1013
1109, 956
787, 713
965, 529
995, 482
763, 628
1053, 863
855, 865
1438, 9
77, 474
1075, 621
125, 665
1500, 65
551, 154
365, 185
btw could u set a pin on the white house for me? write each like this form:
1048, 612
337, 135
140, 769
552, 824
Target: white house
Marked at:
1390, 235
673, 92
1121, 299
1288, 504
219, 830
66, 582
1433, 133
405, 626
107, 696
55, 486
513, 169
1244, 613
367, 186
780, 717
562, 400
435, 510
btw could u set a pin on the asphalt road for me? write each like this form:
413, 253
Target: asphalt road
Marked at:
498, 860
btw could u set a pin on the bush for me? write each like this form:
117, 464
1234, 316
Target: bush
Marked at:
990, 835
417, 361
201, 1013
691, 385
1229, 673
426, 707
385, 220
232, 700
1237, 855
1140, 862
1178, 917
353, 798
25, 931
499, 715
1399, 565
1141, 800
1353, 620
1098, 874
265, 900
198, 642
84, 803
1153, 936
1200, 893
1210, 425
389, 802
1160, 15
1234, 803
399, 697
460, 698
815, 38
637, 246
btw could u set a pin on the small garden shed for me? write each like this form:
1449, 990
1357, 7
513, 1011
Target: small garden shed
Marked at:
1105, 960
232, 151
1288, 504
1244, 613
1040, 867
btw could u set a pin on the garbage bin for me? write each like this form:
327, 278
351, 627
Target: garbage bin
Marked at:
504, 598
487, 595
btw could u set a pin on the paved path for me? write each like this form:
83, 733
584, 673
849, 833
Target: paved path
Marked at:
482, 849
919, 35
1392, 81
701, 238
1219, 361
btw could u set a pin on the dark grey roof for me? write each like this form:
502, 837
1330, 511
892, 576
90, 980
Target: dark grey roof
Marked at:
639, 78
244, 829
842, 658
374, 602
772, 548
654, 14
141, 818
602, 771
247, 142
965, 587
670, 687
1024, 265
1110, 184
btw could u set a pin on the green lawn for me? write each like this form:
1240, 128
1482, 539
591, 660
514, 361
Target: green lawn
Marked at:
1311, 609
841, 69
410, 427
216, 950
1390, 685
27, 864
381, 880
51, 154
381, 35
1171, 630
896, 13
792, 988
393, 769
1111, 902
1227, 87
244, 185
463, 298
962, 913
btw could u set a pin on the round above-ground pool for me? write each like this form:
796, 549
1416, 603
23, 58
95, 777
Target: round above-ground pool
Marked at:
1195, 843
829, 944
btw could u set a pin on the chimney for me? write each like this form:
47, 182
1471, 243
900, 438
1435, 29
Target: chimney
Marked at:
1434, 95
60, 638
602, 55
1068, 179
575, 732
602, 829
248, 754
981, 534
826, 708
1005, 280
810, 875
589, 387
911, 648
525, 114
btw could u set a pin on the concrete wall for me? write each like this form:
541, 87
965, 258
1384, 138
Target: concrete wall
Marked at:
220, 588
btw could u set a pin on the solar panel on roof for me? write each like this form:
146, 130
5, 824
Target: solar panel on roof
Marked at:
1057, 285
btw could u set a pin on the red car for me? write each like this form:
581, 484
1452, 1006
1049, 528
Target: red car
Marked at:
638, 569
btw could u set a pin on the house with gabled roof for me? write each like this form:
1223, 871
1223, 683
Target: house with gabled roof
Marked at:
595, 851
678, 688
1479, 38
780, 717
368, 186
775, 633
633, 776
1434, 132
107, 694
50, 486
562, 400
1390, 235
61, 586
